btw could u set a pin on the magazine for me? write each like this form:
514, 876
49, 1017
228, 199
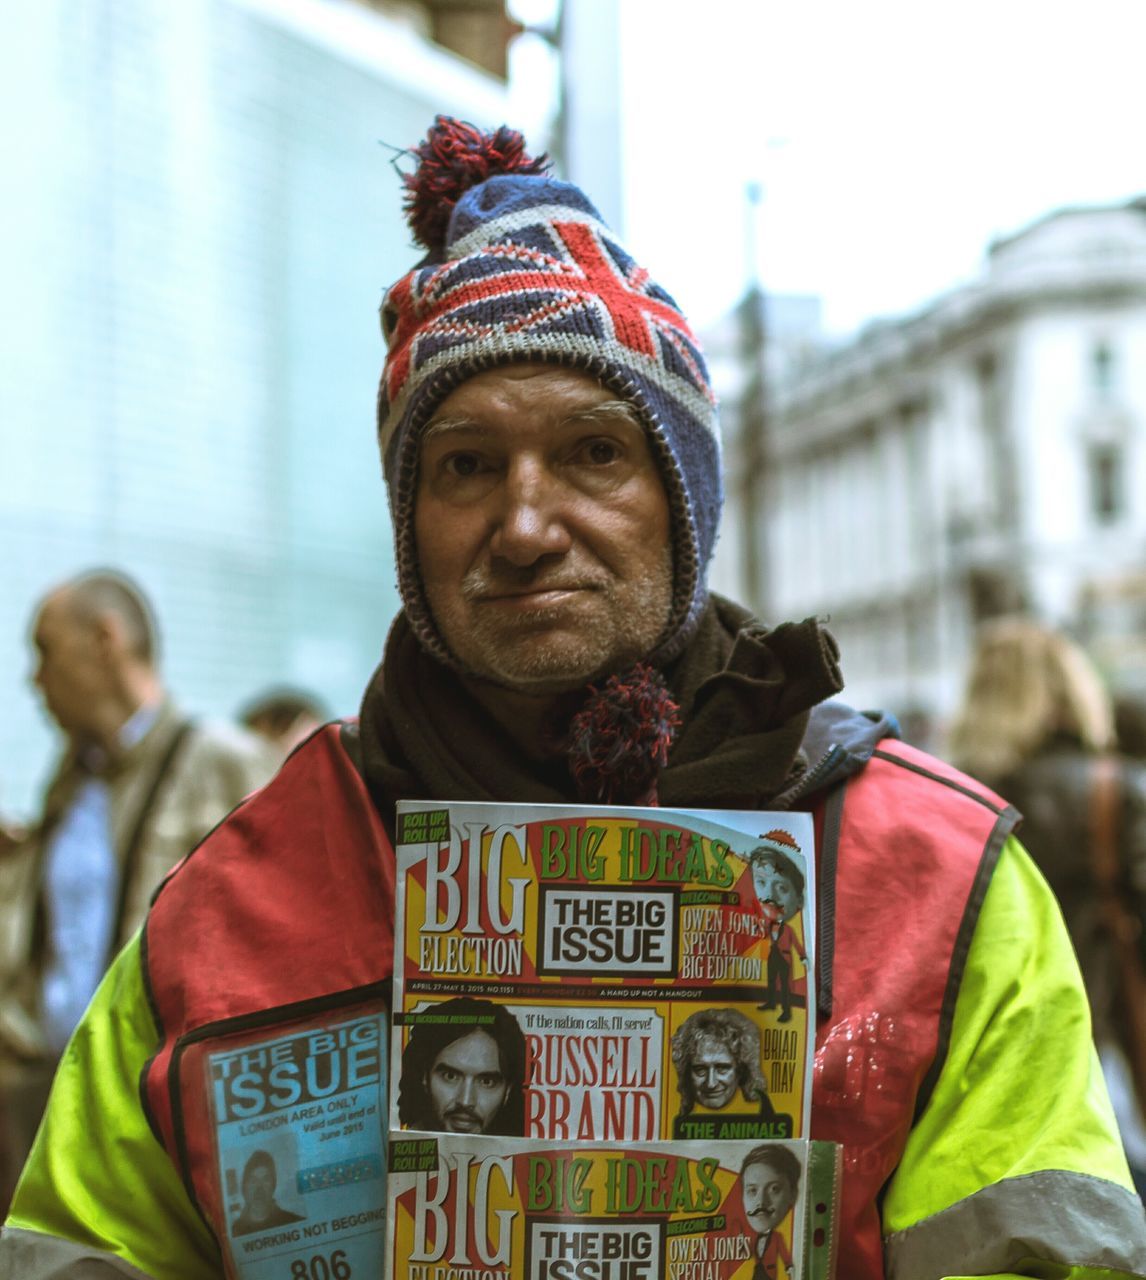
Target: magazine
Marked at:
478, 1208
600, 973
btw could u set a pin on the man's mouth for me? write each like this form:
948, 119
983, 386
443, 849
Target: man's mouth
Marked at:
492, 593
534, 598
462, 1120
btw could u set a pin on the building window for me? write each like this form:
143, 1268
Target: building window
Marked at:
994, 430
1102, 370
1105, 482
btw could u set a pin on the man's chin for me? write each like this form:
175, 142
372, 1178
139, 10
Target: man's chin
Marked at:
540, 686
546, 670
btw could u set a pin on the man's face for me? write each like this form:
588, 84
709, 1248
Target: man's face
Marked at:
773, 886
767, 1194
466, 1084
70, 670
542, 530
259, 1192
713, 1073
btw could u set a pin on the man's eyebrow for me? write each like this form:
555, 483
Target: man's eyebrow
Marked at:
440, 426
603, 412
607, 409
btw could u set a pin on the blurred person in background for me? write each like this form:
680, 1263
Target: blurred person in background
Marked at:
138, 784
284, 716
1037, 724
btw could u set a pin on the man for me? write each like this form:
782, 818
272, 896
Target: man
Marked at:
717, 1052
769, 1178
779, 885
463, 1070
284, 717
137, 786
549, 440
261, 1211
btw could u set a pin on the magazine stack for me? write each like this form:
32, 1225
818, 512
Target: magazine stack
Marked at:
601, 1047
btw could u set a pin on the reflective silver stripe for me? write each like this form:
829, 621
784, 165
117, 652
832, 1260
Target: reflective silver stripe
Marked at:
30, 1255
1052, 1216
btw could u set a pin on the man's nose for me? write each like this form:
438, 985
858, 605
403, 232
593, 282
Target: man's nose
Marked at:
468, 1091
531, 518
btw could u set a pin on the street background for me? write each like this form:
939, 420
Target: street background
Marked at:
200, 216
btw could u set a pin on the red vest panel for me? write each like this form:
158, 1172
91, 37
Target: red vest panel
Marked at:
291, 902
917, 844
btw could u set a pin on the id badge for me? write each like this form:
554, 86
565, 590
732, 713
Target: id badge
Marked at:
298, 1120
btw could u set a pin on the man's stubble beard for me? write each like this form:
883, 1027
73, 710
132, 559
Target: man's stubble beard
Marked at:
545, 651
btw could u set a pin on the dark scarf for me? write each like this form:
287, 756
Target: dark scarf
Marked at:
744, 693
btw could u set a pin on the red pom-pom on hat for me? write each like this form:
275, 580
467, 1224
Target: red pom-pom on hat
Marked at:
455, 157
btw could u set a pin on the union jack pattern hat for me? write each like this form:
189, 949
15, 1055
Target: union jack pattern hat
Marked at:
520, 267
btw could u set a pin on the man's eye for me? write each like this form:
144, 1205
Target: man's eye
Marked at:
490, 1081
448, 1074
462, 465
600, 452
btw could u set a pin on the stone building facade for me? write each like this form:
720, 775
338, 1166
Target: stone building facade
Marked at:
984, 455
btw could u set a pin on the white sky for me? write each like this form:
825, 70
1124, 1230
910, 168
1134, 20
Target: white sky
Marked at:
913, 133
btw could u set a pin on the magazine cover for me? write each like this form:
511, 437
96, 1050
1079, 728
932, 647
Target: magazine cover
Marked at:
488, 1208
603, 973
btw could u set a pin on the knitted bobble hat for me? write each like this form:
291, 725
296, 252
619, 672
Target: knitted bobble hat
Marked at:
520, 267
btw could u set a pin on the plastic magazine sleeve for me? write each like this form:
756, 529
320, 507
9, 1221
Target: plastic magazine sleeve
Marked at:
478, 1208
821, 1234
633, 974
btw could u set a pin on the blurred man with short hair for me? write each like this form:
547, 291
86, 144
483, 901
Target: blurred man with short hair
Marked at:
137, 786
283, 716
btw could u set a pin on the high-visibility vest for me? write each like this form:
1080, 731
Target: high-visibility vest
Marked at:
291, 905
913, 844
